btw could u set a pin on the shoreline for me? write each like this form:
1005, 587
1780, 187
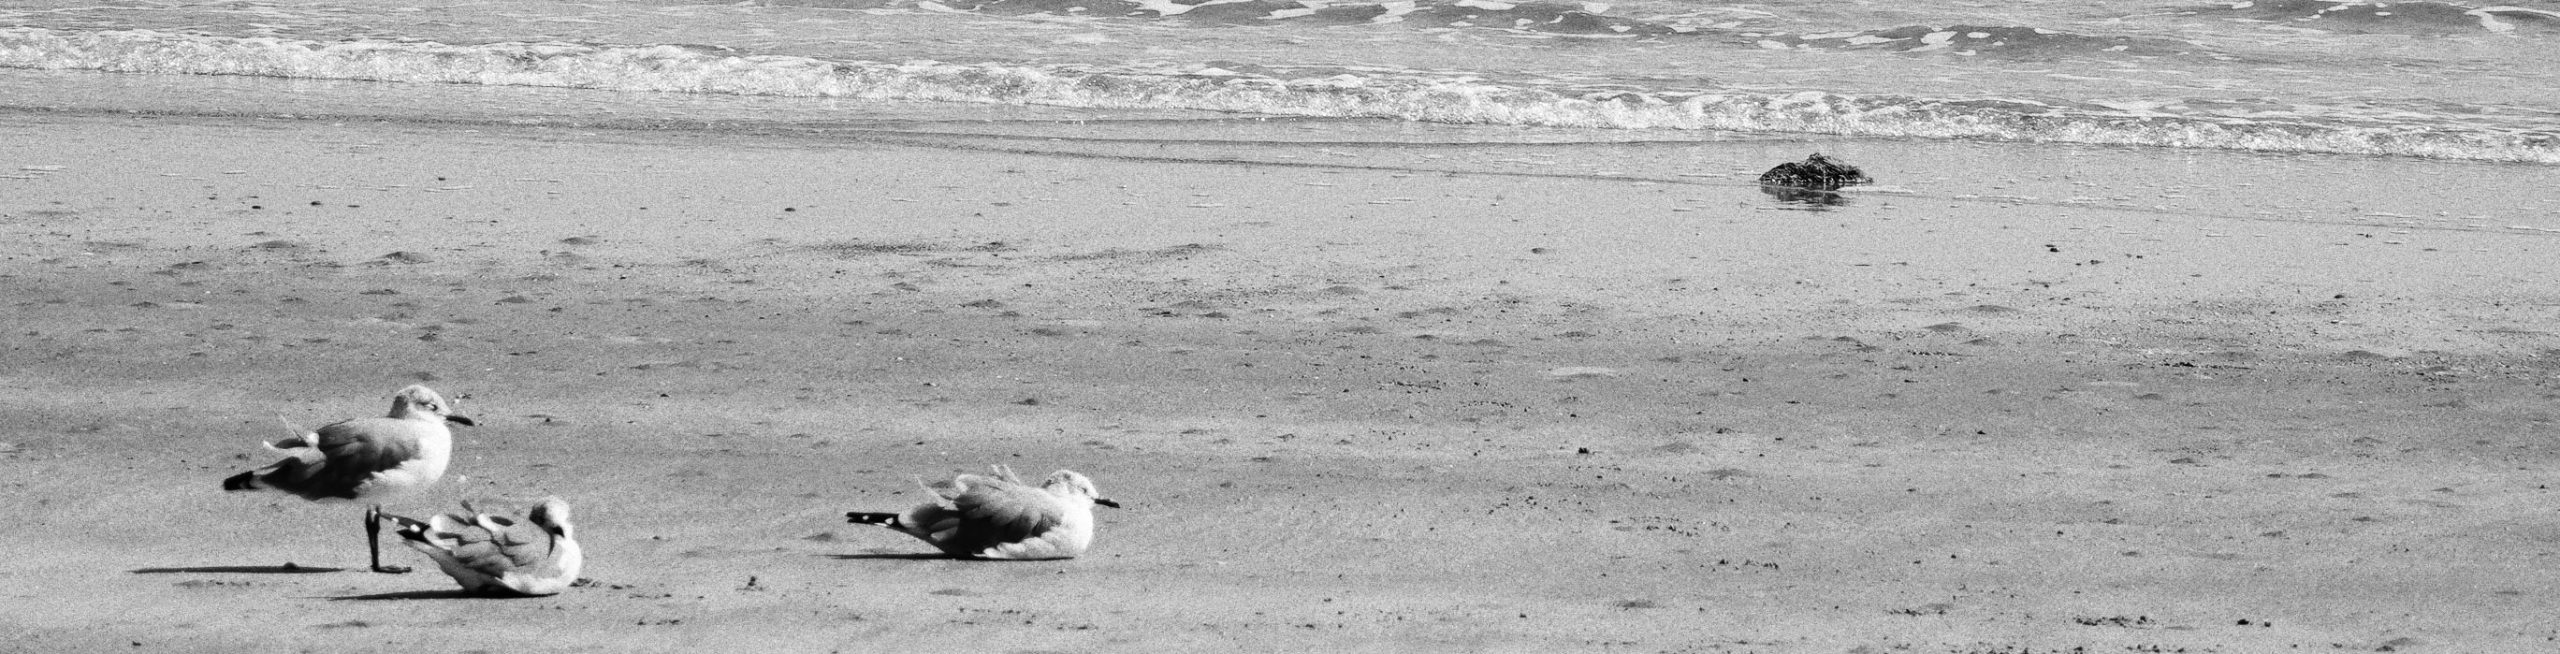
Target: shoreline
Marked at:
1410, 405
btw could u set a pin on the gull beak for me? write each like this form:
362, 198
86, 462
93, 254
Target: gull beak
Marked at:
462, 420
1107, 503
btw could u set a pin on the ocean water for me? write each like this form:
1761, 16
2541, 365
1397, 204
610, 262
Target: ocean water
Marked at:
2418, 79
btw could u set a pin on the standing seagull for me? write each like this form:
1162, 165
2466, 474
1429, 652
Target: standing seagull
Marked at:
999, 517
491, 553
364, 459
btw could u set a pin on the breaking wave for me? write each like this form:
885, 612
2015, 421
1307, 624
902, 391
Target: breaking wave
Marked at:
1449, 98
2350, 16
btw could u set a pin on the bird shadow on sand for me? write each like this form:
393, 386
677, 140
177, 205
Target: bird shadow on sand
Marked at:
286, 569
449, 594
889, 556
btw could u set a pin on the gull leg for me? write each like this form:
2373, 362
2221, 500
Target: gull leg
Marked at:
373, 540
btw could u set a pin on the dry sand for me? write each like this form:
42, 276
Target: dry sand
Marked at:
2017, 399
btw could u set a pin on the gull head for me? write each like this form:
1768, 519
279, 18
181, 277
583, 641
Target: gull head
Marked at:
1074, 484
552, 516
417, 399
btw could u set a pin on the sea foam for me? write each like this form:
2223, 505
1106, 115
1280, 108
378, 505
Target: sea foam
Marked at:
1447, 98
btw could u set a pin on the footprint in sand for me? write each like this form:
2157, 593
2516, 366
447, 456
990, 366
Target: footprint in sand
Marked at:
1581, 372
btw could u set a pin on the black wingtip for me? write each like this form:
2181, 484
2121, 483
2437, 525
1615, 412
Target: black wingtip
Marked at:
242, 481
861, 518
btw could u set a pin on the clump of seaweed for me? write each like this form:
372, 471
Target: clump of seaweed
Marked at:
1816, 172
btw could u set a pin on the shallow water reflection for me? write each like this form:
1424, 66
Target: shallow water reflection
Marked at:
1804, 199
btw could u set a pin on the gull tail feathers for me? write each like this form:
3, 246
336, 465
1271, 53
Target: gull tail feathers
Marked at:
298, 439
406, 525
290, 427
418, 532
889, 520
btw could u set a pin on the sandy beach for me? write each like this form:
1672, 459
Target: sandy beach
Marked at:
2011, 399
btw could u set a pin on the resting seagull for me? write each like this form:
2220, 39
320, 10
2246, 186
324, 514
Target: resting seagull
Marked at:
495, 554
999, 517
364, 459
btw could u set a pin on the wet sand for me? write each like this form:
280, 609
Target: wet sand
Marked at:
2012, 399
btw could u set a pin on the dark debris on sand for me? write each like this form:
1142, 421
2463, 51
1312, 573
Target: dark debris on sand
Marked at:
1816, 172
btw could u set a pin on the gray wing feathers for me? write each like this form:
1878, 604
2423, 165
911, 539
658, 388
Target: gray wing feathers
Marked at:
996, 513
524, 544
491, 545
345, 442
972, 513
333, 462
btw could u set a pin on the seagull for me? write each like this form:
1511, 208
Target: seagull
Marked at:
364, 459
486, 553
999, 517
